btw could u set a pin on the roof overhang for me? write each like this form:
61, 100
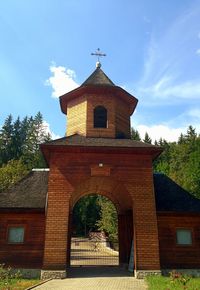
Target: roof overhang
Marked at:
46, 149
98, 89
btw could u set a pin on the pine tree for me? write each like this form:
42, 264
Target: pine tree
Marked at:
16, 140
191, 134
135, 135
181, 139
147, 139
6, 134
156, 143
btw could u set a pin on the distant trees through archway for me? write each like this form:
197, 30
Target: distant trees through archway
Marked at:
94, 240
95, 213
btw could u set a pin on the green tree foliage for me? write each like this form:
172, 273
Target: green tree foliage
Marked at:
19, 147
181, 161
147, 139
86, 212
108, 221
6, 135
162, 164
135, 135
12, 172
95, 213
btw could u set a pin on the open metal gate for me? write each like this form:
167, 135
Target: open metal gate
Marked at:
93, 252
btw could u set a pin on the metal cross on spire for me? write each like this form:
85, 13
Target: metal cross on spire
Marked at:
99, 54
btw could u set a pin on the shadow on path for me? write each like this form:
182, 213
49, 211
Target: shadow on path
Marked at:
89, 272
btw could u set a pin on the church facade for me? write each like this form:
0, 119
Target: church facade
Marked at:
97, 156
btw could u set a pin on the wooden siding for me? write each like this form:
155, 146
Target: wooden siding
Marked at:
108, 102
30, 253
122, 118
175, 256
80, 116
76, 116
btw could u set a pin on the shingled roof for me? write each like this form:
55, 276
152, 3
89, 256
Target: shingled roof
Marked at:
30, 193
98, 83
172, 197
78, 140
98, 77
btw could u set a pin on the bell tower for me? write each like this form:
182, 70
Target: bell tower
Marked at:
98, 156
98, 108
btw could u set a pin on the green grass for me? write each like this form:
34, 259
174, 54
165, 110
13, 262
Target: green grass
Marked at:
166, 283
18, 284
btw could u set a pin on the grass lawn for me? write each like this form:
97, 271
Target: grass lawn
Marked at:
165, 283
17, 284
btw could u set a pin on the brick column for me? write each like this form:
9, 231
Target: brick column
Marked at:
146, 245
57, 223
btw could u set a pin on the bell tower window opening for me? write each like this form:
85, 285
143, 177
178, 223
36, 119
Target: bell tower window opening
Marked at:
100, 117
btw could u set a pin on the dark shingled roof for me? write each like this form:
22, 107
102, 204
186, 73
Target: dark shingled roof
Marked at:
172, 197
98, 77
78, 140
30, 192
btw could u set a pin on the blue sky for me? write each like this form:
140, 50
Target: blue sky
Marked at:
152, 47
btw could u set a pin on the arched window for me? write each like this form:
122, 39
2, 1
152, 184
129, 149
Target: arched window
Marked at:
100, 117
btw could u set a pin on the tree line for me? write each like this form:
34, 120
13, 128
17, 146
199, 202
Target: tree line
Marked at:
19, 147
19, 153
180, 160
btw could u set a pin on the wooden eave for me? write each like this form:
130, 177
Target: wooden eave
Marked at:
154, 152
98, 89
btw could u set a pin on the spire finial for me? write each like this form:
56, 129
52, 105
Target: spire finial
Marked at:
99, 54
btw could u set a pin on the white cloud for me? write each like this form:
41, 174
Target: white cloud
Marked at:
169, 130
161, 131
46, 128
62, 80
194, 113
169, 64
166, 88
198, 51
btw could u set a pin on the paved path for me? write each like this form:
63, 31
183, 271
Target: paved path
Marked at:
87, 252
100, 279
116, 283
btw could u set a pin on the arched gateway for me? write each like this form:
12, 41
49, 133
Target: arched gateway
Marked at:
98, 156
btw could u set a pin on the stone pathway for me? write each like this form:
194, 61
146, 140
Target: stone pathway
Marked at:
87, 252
116, 283
96, 279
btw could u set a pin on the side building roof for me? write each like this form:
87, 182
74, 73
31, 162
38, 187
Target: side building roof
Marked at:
172, 197
31, 191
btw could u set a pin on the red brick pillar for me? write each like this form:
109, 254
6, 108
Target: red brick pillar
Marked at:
146, 245
57, 223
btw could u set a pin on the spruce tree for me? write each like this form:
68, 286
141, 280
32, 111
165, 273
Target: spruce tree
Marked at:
135, 135
6, 134
147, 138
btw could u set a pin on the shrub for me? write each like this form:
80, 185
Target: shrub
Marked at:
7, 275
179, 278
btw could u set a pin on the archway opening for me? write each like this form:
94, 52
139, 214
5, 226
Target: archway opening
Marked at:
94, 240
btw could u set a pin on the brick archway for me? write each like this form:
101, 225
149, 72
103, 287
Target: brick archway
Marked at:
120, 197
107, 187
124, 178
